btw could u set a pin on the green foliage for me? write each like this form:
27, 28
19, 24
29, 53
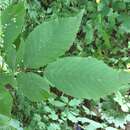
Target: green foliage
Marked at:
7, 123
5, 3
4, 120
32, 63
53, 28
5, 101
83, 77
12, 19
61, 111
33, 86
50, 40
6, 78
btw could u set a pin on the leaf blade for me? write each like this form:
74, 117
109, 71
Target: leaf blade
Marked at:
50, 40
33, 86
83, 77
12, 19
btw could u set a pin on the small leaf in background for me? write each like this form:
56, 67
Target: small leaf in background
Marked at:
74, 102
118, 5
89, 33
121, 101
33, 86
72, 117
58, 104
112, 18
83, 77
125, 25
12, 19
50, 40
64, 99
54, 126
103, 31
53, 116
125, 20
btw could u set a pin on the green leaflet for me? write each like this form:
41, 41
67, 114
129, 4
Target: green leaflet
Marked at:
5, 102
33, 86
50, 40
89, 37
12, 20
83, 77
